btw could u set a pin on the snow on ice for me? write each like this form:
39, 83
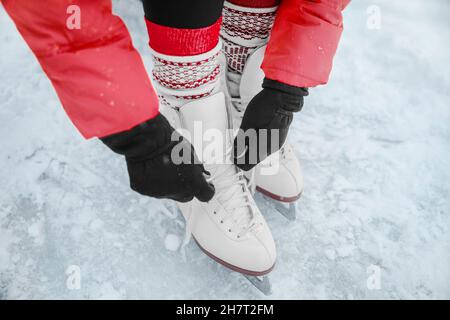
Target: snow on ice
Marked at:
375, 150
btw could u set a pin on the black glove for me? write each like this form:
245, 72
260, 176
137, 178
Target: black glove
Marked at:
147, 149
272, 108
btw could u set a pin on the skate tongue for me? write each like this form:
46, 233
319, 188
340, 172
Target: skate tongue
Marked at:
234, 79
206, 123
252, 76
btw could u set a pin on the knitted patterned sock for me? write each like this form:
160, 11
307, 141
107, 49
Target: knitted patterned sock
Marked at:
246, 27
186, 65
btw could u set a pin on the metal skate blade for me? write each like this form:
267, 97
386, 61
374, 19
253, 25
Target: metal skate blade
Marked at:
288, 210
261, 283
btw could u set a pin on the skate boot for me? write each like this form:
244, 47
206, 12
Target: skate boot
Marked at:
245, 32
230, 229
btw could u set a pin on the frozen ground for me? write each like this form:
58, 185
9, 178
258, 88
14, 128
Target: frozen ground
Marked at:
375, 148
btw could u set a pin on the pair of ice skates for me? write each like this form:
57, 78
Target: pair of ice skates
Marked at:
230, 228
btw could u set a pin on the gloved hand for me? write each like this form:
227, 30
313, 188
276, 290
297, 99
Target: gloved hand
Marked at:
272, 108
147, 149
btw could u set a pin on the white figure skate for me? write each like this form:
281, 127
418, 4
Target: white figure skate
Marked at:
279, 176
230, 229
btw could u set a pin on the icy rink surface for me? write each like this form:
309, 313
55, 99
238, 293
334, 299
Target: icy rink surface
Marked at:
375, 149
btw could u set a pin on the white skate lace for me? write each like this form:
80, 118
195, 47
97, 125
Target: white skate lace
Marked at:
233, 194
251, 182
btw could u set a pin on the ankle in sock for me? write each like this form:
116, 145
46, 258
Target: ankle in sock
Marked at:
246, 27
186, 65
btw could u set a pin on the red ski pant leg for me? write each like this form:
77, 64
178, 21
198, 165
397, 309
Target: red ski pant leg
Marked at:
87, 54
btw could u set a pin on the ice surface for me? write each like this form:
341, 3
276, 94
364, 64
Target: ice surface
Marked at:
172, 242
375, 149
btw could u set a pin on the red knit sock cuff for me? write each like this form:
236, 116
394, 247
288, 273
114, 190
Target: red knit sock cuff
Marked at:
255, 3
183, 42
